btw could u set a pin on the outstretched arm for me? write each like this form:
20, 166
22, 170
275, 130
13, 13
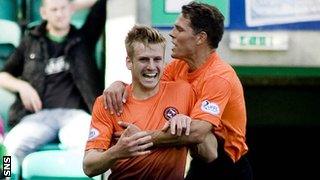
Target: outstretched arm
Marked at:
94, 25
81, 4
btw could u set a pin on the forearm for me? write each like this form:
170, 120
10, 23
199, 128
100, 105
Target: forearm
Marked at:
94, 25
82, 4
207, 150
96, 162
198, 132
10, 82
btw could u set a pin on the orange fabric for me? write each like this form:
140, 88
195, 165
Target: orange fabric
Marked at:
164, 163
220, 100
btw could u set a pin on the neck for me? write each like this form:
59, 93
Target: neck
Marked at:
57, 32
141, 93
200, 57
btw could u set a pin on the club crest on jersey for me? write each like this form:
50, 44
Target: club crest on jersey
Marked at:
93, 133
210, 107
170, 112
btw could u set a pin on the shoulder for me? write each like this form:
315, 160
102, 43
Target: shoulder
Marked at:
176, 62
178, 86
37, 29
220, 70
175, 67
99, 110
74, 31
99, 102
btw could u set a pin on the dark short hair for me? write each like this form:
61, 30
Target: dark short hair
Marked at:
145, 35
207, 18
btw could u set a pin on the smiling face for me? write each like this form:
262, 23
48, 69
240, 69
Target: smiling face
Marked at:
57, 13
183, 39
146, 65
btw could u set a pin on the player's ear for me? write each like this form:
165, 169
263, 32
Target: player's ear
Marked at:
201, 37
129, 62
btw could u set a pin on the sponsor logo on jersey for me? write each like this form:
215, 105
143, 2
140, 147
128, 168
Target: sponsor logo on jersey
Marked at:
210, 107
93, 133
170, 112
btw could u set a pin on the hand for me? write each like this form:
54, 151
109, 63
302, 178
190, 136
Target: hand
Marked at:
178, 124
207, 150
132, 130
116, 136
30, 97
130, 145
114, 97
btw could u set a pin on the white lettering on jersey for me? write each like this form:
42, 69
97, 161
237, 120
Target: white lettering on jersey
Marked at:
210, 107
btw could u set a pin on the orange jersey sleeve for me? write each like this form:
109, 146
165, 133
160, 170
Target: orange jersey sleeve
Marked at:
212, 101
101, 128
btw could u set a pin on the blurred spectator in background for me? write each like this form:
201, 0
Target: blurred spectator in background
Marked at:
54, 74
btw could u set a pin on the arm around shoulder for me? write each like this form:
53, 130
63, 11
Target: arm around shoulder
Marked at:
202, 142
198, 132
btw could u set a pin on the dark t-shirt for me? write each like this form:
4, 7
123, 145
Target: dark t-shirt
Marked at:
60, 90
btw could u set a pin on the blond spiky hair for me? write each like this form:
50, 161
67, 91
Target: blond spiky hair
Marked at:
145, 35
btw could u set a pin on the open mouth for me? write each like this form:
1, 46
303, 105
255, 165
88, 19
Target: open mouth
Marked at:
149, 75
174, 46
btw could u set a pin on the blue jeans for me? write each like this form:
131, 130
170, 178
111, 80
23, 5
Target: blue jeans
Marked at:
35, 130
